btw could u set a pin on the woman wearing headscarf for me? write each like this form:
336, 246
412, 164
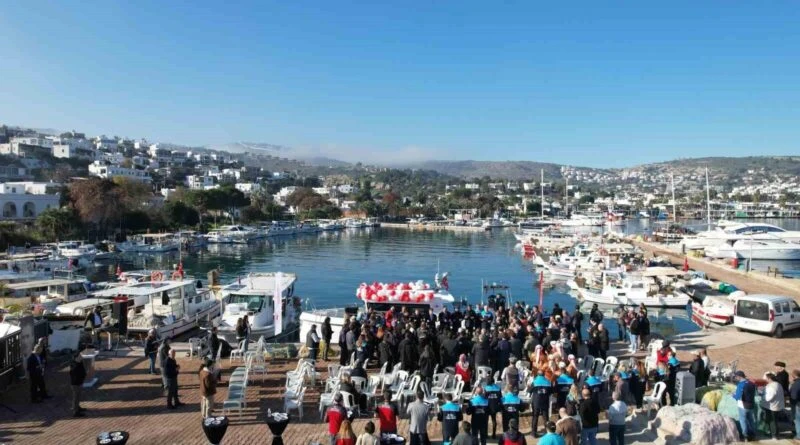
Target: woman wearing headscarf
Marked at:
463, 369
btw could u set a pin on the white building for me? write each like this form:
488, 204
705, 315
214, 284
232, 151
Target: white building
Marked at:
27, 147
106, 171
248, 187
197, 182
347, 189
26, 200
472, 186
105, 143
67, 148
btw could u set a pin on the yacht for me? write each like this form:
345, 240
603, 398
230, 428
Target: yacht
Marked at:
330, 225
239, 234
308, 227
729, 231
380, 297
219, 237
280, 228
268, 301
756, 249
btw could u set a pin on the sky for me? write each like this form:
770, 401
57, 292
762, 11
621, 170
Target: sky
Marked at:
600, 84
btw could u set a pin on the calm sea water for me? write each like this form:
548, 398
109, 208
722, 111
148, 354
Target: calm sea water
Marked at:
331, 265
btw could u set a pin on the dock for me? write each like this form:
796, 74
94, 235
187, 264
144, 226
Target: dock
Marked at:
751, 282
433, 227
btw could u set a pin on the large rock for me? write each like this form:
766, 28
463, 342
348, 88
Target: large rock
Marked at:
694, 424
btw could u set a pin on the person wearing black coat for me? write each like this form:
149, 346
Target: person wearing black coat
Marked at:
385, 353
516, 346
344, 353
35, 369
171, 369
480, 352
698, 370
409, 355
604, 342
448, 352
213, 344
503, 353
327, 334
77, 375
427, 363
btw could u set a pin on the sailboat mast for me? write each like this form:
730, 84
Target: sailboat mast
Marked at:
566, 194
708, 201
674, 211
541, 186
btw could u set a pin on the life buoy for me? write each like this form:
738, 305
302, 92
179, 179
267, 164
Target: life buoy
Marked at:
156, 276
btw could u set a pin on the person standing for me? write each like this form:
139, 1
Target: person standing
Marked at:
794, 399
512, 436
36, 375
540, 391
616, 420
512, 406
479, 410
633, 330
418, 420
464, 436
450, 416
208, 387
568, 428
170, 371
387, 414
335, 416
782, 376
773, 403
95, 320
77, 375
246, 326
589, 411
163, 355
345, 436
213, 344
312, 342
745, 396
603, 341
493, 394
327, 334
151, 349
368, 436
551, 437
698, 370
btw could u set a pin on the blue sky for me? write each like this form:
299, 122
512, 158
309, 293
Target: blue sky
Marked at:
581, 83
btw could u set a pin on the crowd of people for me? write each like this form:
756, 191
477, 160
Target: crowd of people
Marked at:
509, 340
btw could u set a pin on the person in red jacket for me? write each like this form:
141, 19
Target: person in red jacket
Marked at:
335, 416
662, 355
387, 414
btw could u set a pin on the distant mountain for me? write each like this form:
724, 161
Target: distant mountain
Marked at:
512, 170
280, 151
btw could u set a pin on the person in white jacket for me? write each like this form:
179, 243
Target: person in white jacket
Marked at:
368, 436
773, 403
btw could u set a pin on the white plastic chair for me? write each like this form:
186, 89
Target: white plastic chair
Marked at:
399, 381
371, 391
586, 362
439, 383
360, 383
597, 365
608, 369
613, 361
256, 363
411, 389
349, 402
456, 392
237, 353
195, 346
429, 399
654, 399
326, 400
294, 403
484, 372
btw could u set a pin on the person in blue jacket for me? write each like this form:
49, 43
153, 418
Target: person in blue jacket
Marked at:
674, 366
745, 396
493, 393
479, 410
540, 390
595, 386
512, 406
450, 416
563, 384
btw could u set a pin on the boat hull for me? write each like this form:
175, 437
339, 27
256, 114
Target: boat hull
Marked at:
711, 315
674, 301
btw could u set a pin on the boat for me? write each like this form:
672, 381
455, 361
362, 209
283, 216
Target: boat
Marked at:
237, 234
728, 232
279, 228
380, 297
621, 289
268, 301
172, 307
308, 227
712, 302
330, 225
77, 251
48, 293
582, 220
755, 249
150, 243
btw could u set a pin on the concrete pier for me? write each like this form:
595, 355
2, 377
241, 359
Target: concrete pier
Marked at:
433, 227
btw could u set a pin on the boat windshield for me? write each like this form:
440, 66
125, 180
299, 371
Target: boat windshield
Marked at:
253, 302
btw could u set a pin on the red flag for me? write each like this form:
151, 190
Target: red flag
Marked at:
686, 264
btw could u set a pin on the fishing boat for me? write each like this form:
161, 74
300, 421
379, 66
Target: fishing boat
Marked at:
172, 307
582, 220
628, 290
381, 297
268, 301
150, 243
77, 251
219, 237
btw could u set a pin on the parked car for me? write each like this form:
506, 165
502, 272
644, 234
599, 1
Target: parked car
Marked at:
769, 314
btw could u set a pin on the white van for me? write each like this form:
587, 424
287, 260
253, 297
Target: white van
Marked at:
770, 314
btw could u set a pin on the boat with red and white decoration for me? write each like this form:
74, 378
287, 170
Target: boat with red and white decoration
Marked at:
380, 296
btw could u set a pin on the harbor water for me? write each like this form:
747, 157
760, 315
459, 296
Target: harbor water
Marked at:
331, 265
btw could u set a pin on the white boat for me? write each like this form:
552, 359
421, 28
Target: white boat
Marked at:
150, 243
218, 237
50, 292
354, 223
78, 251
380, 297
714, 310
308, 227
619, 289
581, 220
729, 232
756, 250
280, 228
172, 307
267, 300
329, 225
239, 234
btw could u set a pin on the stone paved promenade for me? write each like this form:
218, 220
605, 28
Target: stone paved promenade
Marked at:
128, 398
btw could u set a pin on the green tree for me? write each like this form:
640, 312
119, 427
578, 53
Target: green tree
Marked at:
177, 214
59, 223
